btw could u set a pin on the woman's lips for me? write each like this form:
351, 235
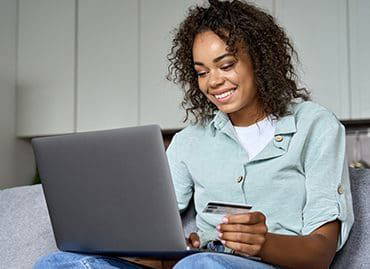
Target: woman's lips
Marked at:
225, 97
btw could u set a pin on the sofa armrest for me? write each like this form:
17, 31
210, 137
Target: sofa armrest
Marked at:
25, 228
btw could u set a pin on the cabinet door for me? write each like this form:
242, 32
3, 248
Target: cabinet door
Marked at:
159, 99
46, 73
359, 22
319, 32
107, 60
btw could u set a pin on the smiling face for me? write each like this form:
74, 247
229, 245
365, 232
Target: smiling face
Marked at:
227, 80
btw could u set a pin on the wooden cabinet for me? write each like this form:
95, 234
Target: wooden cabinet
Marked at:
359, 43
46, 73
319, 32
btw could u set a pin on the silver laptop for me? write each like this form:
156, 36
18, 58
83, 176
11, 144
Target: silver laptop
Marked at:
110, 192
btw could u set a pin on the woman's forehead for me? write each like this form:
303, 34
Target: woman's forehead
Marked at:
208, 44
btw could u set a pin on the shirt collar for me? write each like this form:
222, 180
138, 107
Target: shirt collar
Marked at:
219, 120
284, 125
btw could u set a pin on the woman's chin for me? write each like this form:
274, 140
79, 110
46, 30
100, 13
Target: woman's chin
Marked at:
227, 108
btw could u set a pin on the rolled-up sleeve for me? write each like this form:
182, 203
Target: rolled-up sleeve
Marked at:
181, 177
328, 194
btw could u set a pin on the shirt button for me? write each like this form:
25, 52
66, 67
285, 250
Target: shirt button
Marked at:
239, 179
279, 138
340, 189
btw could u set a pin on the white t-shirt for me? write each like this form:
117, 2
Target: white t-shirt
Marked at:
256, 136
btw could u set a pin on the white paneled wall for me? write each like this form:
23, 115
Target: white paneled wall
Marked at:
267, 5
46, 57
91, 64
159, 99
7, 91
359, 43
107, 64
319, 32
16, 157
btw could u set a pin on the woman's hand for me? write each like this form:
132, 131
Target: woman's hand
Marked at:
193, 240
244, 233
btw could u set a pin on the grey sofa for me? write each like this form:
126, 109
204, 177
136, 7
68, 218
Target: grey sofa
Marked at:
26, 233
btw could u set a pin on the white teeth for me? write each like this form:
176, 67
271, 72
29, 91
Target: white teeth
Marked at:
220, 96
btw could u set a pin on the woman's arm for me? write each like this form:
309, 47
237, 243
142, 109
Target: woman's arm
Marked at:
247, 233
316, 250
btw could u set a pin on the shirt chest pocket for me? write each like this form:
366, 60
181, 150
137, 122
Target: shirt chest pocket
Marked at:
220, 180
274, 181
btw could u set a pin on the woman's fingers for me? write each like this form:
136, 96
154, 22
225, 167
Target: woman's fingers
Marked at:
247, 218
253, 229
247, 238
194, 240
251, 250
244, 233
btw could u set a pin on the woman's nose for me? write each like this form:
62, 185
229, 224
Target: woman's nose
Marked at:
215, 79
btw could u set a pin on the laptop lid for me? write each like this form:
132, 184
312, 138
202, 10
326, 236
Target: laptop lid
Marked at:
110, 192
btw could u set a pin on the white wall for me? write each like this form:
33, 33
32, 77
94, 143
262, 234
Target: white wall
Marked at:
16, 158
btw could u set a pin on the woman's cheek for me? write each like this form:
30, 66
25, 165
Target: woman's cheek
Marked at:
233, 77
202, 88
208, 97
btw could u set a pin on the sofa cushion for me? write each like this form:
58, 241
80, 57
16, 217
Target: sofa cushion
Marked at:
356, 252
188, 219
25, 229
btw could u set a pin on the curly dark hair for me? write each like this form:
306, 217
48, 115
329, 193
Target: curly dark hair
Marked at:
235, 22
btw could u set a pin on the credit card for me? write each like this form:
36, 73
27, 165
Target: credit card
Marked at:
224, 208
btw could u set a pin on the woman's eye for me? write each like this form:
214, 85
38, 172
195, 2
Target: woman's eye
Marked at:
227, 67
201, 74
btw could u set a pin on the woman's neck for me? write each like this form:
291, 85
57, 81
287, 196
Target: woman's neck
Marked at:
247, 116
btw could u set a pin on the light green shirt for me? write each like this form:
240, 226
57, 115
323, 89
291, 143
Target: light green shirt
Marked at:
299, 180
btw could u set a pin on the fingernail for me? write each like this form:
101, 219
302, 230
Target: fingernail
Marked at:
223, 242
219, 235
218, 227
225, 220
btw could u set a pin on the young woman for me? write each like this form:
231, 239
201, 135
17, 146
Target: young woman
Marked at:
255, 139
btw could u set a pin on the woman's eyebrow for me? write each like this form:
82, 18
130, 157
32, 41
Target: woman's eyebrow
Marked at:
215, 60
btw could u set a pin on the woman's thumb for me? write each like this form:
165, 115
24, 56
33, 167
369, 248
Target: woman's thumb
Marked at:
194, 240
